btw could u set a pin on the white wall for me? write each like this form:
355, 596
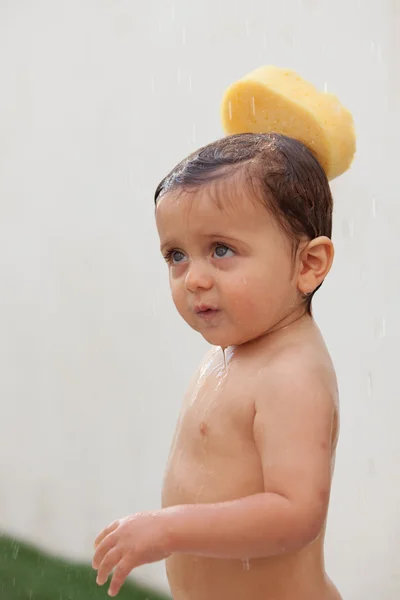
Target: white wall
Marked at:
98, 100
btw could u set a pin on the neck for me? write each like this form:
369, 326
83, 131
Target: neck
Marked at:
289, 322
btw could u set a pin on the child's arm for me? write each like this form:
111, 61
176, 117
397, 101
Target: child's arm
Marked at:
292, 431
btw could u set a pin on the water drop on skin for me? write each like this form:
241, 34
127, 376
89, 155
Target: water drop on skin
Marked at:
246, 565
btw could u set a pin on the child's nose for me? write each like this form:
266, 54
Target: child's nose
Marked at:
198, 276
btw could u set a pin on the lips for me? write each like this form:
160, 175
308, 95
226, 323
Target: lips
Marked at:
205, 311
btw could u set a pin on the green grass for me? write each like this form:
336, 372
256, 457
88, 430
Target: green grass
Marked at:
28, 574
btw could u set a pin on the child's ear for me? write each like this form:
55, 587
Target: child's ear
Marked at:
315, 263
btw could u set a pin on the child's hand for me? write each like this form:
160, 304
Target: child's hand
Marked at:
128, 543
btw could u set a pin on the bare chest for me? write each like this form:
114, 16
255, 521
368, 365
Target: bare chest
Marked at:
213, 456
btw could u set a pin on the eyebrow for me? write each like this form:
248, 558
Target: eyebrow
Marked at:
218, 236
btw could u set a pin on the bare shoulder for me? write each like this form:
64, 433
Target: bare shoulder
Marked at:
300, 384
304, 365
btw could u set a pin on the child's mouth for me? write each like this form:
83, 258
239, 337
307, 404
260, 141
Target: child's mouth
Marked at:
206, 313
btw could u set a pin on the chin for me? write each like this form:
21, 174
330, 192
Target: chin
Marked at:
223, 339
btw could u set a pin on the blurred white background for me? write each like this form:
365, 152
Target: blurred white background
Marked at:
98, 100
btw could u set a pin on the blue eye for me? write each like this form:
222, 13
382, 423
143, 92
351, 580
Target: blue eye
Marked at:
222, 251
177, 257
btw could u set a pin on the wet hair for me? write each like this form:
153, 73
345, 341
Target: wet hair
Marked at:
281, 171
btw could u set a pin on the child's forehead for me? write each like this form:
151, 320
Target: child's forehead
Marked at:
221, 201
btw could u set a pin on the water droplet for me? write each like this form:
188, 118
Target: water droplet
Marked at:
199, 493
382, 331
326, 87
380, 328
246, 565
371, 466
369, 383
253, 106
348, 228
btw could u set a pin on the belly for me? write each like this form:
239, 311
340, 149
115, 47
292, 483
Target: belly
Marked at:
203, 475
197, 476
291, 577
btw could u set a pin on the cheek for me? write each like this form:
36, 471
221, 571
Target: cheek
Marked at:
256, 293
178, 295
244, 293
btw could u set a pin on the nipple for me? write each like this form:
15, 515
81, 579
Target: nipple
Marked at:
203, 428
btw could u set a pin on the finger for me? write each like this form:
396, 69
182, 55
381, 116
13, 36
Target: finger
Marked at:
110, 560
106, 545
121, 572
105, 532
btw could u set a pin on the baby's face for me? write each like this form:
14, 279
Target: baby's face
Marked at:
231, 269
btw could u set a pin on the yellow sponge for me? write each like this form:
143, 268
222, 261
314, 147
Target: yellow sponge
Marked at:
271, 99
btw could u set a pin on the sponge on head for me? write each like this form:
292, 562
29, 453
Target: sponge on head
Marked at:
271, 99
